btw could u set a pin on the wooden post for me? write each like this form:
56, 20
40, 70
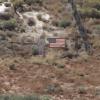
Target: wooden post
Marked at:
42, 45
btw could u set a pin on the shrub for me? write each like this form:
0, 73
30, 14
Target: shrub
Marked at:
35, 50
64, 23
3, 0
93, 1
17, 3
39, 17
53, 88
61, 66
29, 2
9, 24
6, 16
97, 27
30, 97
90, 12
55, 23
97, 6
82, 90
34, 97
45, 98
96, 30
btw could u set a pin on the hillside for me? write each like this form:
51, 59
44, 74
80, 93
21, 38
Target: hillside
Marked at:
68, 73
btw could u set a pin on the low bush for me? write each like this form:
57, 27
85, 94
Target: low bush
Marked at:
97, 6
17, 3
31, 97
35, 50
93, 1
5, 16
82, 90
53, 88
89, 12
3, 1
97, 27
39, 17
55, 23
9, 24
35, 97
64, 23
29, 2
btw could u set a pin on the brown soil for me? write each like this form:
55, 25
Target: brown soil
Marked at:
24, 77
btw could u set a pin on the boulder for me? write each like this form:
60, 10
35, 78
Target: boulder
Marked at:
6, 10
45, 17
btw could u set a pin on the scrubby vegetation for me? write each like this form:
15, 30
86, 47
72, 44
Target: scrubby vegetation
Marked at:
62, 70
30, 2
90, 12
3, 1
35, 50
90, 8
31, 97
8, 24
18, 3
62, 23
93, 1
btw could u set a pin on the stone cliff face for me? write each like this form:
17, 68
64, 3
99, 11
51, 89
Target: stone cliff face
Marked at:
53, 18
35, 23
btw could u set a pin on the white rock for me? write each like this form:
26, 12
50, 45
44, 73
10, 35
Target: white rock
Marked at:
3, 7
45, 17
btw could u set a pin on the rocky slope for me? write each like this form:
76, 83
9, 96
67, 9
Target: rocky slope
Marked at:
61, 74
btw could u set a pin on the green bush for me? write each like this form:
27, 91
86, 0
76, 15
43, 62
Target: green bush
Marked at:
39, 17
32, 1
55, 23
9, 24
82, 90
31, 97
17, 3
34, 97
97, 27
45, 98
89, 12
3, 1
6, 16
35, 50
64, 23
93, 1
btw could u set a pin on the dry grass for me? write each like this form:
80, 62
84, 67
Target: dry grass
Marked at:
50, 59
96, 42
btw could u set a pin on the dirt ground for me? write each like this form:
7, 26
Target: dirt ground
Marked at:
77, 80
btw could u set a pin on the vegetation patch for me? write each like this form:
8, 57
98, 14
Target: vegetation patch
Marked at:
30, 2
9, 24
17, 3
31, 97
89, 12
63, 23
